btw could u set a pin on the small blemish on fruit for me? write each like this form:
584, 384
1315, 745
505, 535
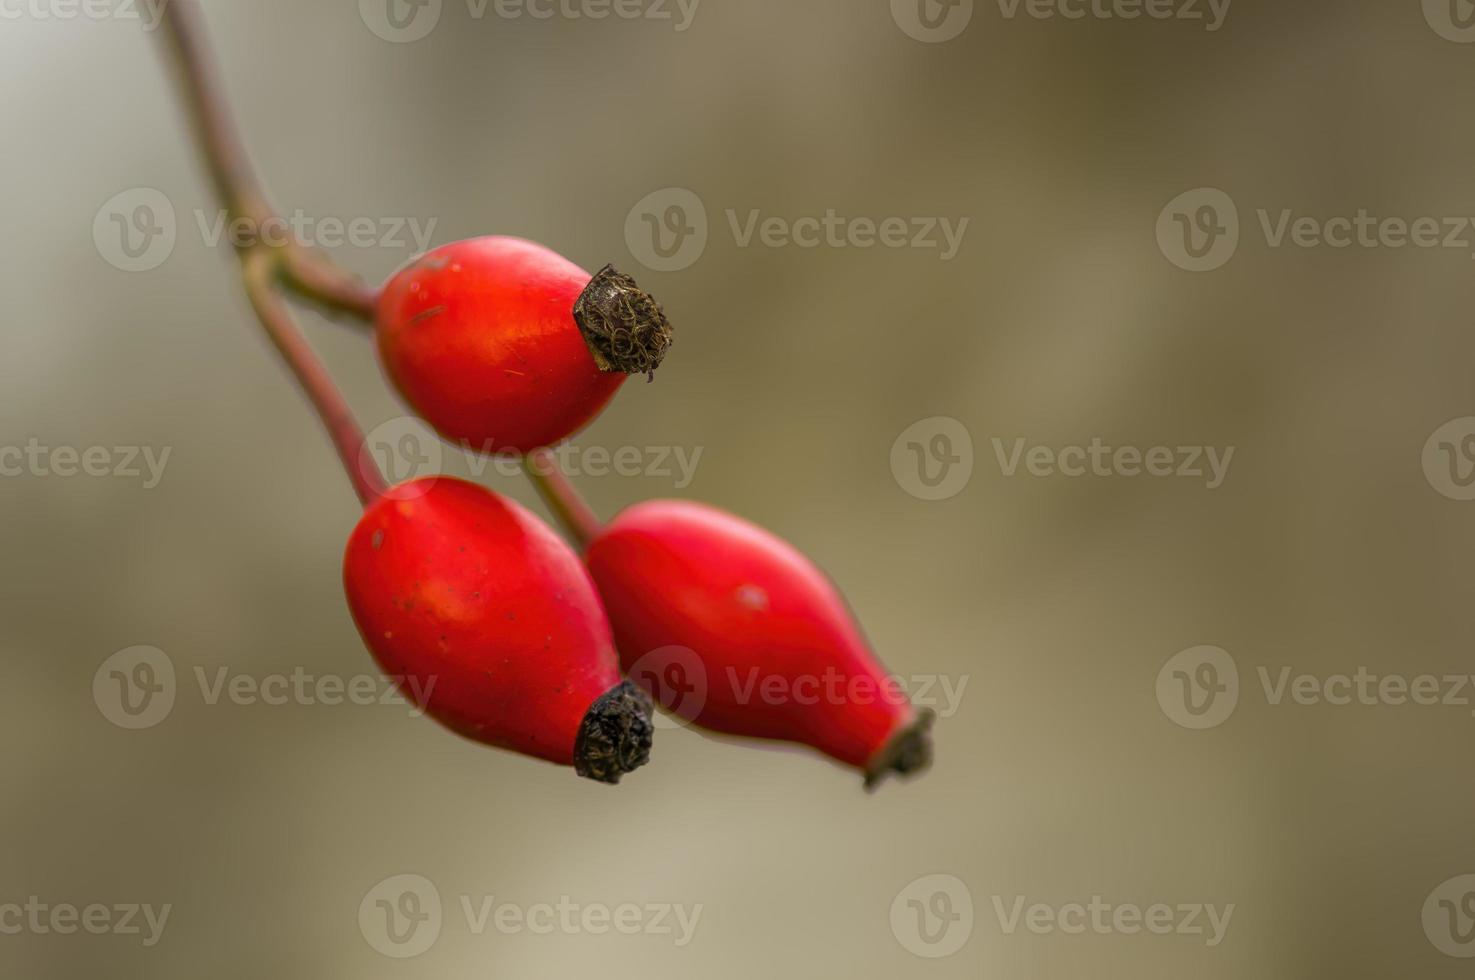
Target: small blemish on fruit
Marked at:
378, 540
434, 311
753, 597
388, 634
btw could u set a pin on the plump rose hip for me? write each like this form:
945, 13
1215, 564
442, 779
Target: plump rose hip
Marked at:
735, 630
480, 610
506, 346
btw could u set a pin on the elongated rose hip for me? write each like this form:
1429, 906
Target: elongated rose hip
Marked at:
735, 630
506, 346
498, 625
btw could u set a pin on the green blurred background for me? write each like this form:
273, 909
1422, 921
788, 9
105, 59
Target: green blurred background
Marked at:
1060, 320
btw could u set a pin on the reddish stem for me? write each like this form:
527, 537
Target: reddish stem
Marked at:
306, 273
348, 438
311, 277
214, 128
265, 267
562, 498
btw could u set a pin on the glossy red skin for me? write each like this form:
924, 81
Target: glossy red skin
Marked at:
676, 574
447, 580
480, 338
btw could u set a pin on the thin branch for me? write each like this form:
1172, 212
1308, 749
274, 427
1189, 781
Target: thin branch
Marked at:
309, 274
562, 498
258, 270
266, 267
214, 127
311, 277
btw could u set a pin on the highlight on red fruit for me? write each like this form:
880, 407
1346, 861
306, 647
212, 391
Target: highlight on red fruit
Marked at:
475, 603
691, 589
506, 346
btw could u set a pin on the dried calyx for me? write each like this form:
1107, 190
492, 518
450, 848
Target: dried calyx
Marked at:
616, 734
624, 326
909, 751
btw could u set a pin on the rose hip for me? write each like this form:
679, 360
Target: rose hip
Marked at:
506, 346
497, 623
691, 589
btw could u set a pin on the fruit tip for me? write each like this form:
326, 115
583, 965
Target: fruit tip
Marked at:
625, 328
908, 753
616, 734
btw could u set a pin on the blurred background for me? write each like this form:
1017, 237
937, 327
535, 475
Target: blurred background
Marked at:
902, 410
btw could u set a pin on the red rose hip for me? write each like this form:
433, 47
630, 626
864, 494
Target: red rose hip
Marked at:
506, 346
691, 589
498, 625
